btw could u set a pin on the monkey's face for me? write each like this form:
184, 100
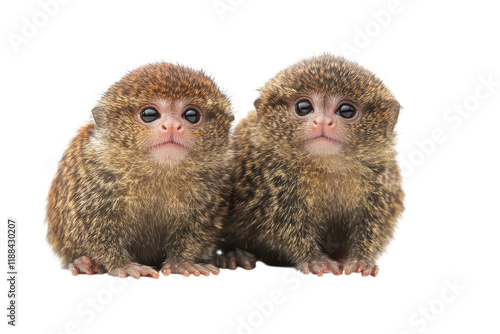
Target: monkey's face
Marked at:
167, 113
169, 127
325, 121
327, 106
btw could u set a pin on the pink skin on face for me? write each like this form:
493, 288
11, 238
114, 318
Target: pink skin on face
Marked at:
169, 130
325, 131
169, 139
322, 137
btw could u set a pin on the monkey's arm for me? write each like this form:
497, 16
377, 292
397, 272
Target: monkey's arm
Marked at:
91, 236
372, 230
107, 249
287, 242
310, 259
85, 215
190, 248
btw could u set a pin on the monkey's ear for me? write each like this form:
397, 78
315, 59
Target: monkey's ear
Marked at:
98, 114
257, 103
396, 107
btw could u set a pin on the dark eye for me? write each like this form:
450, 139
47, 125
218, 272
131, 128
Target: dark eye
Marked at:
346, 111
303, 108
191, 115
149, 115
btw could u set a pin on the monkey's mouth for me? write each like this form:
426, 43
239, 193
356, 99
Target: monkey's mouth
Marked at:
169, 149
323, 144
322, 137
171, 142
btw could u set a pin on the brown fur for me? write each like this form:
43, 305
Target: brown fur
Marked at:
111, 202
290, 207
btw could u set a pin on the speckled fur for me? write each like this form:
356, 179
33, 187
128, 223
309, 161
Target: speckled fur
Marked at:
288, 206
111, 202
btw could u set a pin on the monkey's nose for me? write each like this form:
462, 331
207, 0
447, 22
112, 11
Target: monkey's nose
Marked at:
323, 121
172, 126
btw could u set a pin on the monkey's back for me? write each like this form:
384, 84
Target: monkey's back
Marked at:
81, 190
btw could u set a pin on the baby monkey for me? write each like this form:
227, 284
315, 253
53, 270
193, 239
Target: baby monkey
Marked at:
142, 187
315, 183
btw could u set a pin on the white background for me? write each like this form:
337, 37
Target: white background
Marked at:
434, 56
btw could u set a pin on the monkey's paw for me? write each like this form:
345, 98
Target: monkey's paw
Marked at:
134, 270
84, 265
320, 267
360, 266
188, 268
237, 258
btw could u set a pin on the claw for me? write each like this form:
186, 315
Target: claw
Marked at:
320, 267
135, 270
84, 265
188, 269
237, 258
365, 268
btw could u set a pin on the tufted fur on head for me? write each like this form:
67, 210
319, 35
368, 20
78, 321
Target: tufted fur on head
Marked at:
330, 76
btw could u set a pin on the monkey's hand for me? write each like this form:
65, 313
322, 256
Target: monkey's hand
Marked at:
84, 265
236, 258
320, 266
364, 267
188, 268
134, 270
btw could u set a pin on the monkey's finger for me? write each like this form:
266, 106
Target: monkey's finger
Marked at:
223, 261
166, 270
82, 265
194, 270
132, 272
335, 268
358, 267
374, 272
304, 268
191, 269
246, 263
326, 267
147, 271
118, 273
367, 270
74, 270
316, 269
83, 268
202, 269
349, 266
84, 260
213, 270
231, 261
183, 270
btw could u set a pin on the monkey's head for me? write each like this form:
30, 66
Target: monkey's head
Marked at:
164, 112
329, 106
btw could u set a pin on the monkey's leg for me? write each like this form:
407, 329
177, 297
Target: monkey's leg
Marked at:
107, 247
235, 258
304, 251
189, 252
84, 265
368, 238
